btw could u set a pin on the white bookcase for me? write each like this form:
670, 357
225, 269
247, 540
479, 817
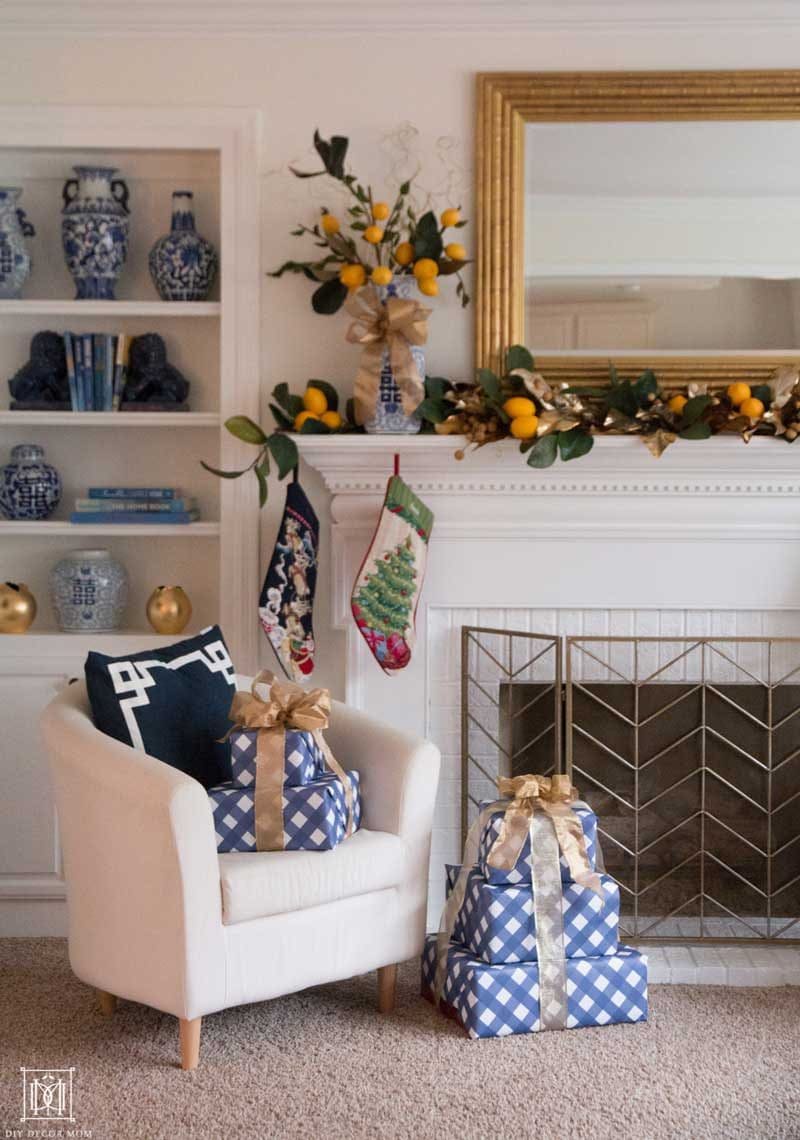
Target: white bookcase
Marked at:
214, 153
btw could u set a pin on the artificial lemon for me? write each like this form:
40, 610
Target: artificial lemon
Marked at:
450, 217
456, 251
677, 404
753, 408
373, 234
301, 418
332, 420
380, 211
381, 275
330, 224
353, 276
524, 427
738, 393
314, 401
519, 406
429, 286
425, 267
404, 254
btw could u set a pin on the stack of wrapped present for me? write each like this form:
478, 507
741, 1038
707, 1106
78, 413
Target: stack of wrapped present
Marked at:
530, 932
287, 791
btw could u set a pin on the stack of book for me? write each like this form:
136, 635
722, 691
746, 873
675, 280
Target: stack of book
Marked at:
97, 369
165, 505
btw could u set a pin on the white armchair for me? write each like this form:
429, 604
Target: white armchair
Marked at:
157, 916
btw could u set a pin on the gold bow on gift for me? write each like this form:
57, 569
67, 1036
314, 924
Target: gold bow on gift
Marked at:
287, 706
394, 325
553, 796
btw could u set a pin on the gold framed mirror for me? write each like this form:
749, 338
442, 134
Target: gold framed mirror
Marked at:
576, 134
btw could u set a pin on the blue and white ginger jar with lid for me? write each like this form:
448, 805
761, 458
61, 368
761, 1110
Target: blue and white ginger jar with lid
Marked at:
30, 489
183, 264
89, 592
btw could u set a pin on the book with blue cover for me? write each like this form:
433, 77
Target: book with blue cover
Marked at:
125, 518
77, 348
99, 370
87, 372
74, 398
137, 506
134, 493
108, 379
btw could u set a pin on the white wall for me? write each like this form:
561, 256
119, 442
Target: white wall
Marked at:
361, 87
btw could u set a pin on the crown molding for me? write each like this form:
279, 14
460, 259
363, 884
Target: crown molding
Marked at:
197, 18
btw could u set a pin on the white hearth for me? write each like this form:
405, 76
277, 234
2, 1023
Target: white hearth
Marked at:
704, 541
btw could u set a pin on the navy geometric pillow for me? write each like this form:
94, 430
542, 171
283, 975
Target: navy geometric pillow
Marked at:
172, 703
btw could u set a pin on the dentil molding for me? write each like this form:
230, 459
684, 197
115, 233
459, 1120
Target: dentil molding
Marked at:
451, 17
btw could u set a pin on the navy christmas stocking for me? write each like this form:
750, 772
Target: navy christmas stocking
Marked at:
389, 583
287, 596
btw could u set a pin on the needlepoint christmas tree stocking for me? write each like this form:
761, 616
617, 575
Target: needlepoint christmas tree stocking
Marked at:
287, 596
389, 583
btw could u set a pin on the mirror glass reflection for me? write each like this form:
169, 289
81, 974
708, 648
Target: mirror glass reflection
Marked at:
665, 236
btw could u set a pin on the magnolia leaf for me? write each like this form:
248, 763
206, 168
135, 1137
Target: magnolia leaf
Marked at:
314, 427
262, 474
436, 386
281, 418
694, 409
762, 392
427, 239
223, 474
329, 298
519, 357
284, 451
658, 442
544, 451
697, 430
574, 443
434, 411
490, 383
245, 430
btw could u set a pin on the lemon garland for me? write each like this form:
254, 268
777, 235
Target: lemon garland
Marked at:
551, 421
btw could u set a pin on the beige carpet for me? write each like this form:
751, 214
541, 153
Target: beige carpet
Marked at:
711, 1064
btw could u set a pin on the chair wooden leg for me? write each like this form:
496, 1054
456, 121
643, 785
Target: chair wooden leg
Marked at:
387, 988
108, 1003
190, 1042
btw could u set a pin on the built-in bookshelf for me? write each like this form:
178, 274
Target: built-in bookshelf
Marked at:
213, 343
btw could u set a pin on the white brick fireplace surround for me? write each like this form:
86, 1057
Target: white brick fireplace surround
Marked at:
704, 541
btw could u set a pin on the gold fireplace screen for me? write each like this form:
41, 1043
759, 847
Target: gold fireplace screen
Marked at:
687, 748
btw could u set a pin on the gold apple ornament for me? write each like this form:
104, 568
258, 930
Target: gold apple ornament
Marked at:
169, 609
17, 607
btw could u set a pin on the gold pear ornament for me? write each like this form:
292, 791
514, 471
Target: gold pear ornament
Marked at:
169, 609
17, 607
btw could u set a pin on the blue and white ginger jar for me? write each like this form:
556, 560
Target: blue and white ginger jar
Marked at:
390, 417
94, 230
30, 489
183, 265
89, 592
15, 261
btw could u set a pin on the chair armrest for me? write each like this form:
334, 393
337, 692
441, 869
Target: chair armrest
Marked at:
399, 772
141, 866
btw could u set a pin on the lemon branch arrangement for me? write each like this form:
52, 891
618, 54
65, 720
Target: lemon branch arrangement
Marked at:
552, 421
378, 240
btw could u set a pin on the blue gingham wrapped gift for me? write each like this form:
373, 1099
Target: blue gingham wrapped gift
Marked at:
303, 760
521, 872
498, 925
314, 815
499, 1000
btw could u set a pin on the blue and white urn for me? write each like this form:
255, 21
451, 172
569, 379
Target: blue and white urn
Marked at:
94, 230
89, 592
15, 261
30, 489
390, 417
183, 265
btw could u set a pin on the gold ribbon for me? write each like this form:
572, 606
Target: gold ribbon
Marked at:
394, 325
287, 706
553, 795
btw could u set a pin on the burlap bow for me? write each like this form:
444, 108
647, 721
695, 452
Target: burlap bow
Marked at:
553, 795
287, 706
394, 325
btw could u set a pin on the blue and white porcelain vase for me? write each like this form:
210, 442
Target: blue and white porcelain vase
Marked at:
15, 261
94, 230
183, 265
30, 489
390, 417
89, 592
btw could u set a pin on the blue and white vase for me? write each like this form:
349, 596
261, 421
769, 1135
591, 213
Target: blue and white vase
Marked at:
89, 592
183, 265
94, 230
390, 417
30, 489
15, 261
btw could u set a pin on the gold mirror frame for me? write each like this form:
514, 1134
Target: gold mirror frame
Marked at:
506, 101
